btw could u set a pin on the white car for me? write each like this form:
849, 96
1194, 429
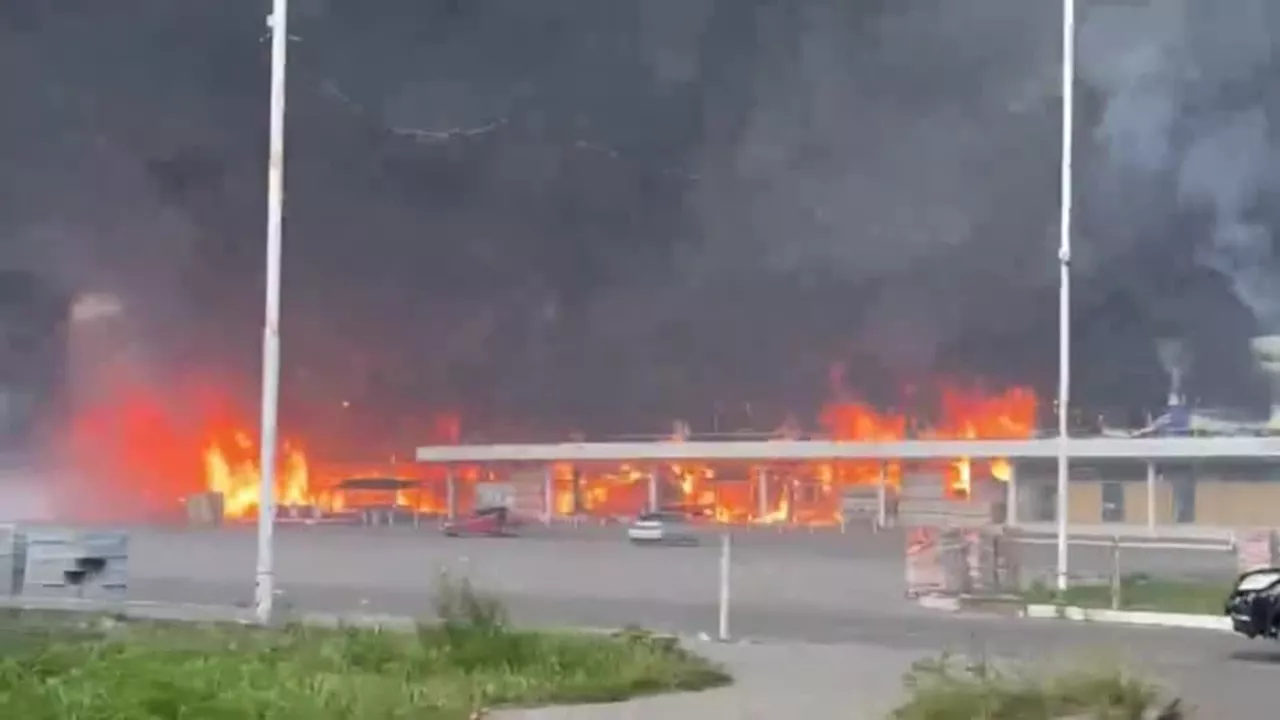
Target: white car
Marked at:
661, 529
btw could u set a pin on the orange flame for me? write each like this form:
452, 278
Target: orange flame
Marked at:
232, 469
155, 451
795, 493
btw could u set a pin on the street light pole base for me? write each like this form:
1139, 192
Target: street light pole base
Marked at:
264, 598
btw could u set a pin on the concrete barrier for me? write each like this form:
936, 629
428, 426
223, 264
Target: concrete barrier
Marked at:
73, 563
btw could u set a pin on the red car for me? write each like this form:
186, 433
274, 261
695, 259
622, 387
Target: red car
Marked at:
485, 522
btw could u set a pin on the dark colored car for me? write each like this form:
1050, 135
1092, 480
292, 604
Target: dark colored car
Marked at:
485, 522
1254, 604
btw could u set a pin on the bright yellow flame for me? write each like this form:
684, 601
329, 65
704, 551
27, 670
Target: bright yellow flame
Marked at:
1002, 470
781, 514
964, 477
239, 481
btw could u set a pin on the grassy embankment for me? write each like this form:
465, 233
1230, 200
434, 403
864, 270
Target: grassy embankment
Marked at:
1139, 592
62, 665
947, 690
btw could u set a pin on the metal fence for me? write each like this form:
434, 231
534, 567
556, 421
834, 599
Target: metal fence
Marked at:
1131, 567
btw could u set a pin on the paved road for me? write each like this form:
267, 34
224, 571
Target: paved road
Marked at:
1217, 676
781, 584
838, 596
785, 584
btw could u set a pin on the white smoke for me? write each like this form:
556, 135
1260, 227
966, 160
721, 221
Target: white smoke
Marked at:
1183, 103
1227, 169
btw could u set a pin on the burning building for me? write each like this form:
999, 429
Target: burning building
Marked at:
779, 492
142, 442
168, 453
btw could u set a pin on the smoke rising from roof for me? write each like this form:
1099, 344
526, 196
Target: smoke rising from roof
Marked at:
524, 208
1187, 95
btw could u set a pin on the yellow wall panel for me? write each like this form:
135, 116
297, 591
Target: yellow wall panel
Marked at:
1084, 500
1224, 502
1135, 503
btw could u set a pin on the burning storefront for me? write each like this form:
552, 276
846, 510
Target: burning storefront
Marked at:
141, 444
769, 493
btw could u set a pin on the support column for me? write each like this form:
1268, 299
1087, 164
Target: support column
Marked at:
1011, 496
451, 495
577, 493
653, 491
548, 494
1151, 497
882, 497
762, 493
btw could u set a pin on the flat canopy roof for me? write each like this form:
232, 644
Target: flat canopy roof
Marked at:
1261, 448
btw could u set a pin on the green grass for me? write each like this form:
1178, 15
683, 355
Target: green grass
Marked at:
1142, 593
947, 690
54, 667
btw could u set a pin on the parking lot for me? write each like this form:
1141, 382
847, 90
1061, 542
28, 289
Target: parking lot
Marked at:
794, 584
781, 581
788, 586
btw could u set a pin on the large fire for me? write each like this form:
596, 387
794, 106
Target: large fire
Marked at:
233, 470
157, 457
801, 493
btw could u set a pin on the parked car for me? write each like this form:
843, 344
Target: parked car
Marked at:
484, 522
1254, 604
661, 528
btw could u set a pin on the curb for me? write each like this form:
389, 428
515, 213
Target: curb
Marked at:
193, 612
1130, 617
944, 604
1078, 614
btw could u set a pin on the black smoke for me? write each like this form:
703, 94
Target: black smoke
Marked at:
606, 215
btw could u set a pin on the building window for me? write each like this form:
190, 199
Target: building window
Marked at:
1184, 499
1112, 502
1046, 503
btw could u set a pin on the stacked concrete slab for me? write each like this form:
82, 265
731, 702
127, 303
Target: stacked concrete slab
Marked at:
72, 563
956, 561
992, 563
936, 561
1257, 548
206, 509
11, 560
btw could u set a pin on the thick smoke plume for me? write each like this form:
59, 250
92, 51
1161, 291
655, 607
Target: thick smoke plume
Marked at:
906, 150
1188, 98
604, 215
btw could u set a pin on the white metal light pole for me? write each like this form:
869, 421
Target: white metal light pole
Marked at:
1064, 280
264, 591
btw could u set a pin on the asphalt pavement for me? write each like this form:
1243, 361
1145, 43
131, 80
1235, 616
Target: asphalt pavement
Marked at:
1216, 676
792, 589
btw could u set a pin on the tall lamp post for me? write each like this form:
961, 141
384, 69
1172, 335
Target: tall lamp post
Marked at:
1064, 280
264, 590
